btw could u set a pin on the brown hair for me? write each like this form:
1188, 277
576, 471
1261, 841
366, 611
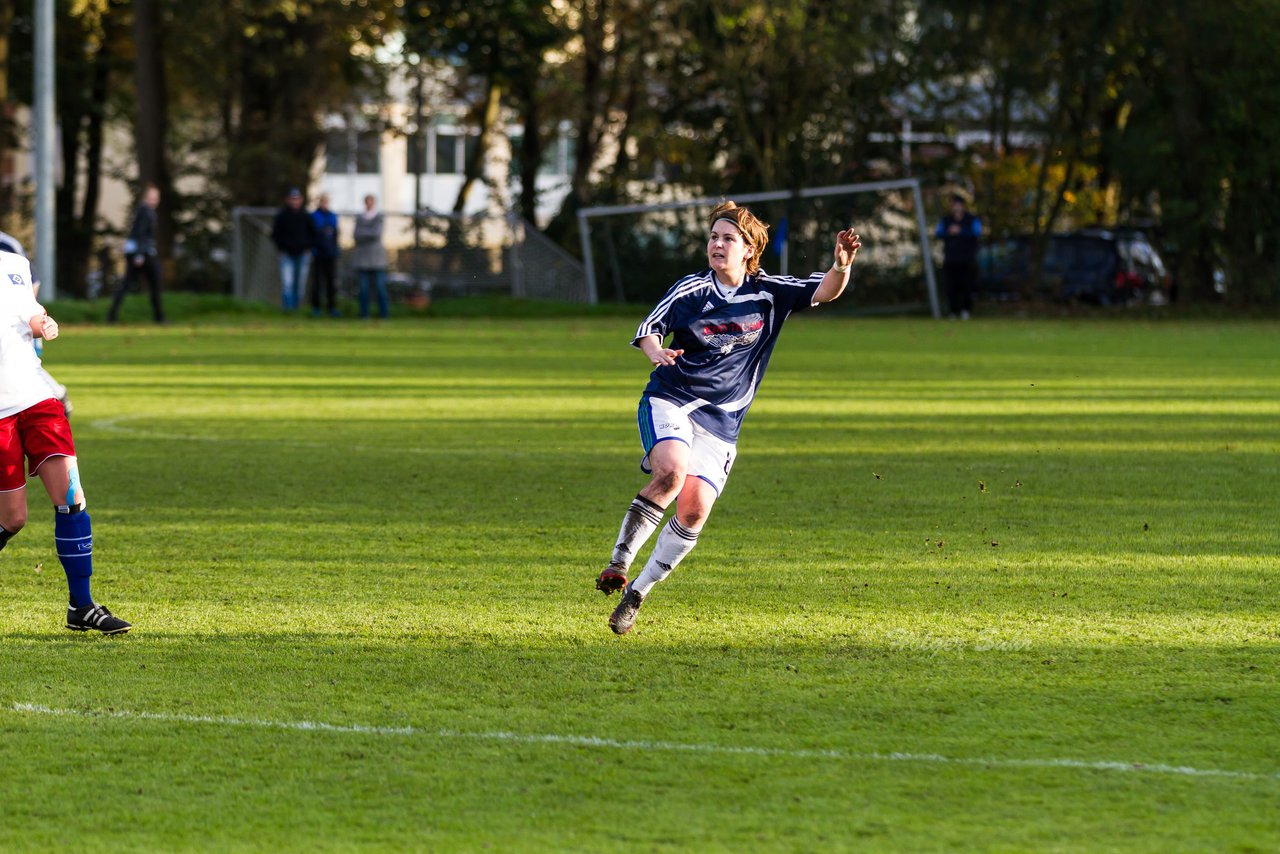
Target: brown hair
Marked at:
753, 229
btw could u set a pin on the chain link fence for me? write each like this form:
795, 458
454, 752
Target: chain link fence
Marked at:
438, 256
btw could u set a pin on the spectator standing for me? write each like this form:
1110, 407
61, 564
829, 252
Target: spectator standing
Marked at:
324, 257
370, 258
294, 234
960, 231
141, 256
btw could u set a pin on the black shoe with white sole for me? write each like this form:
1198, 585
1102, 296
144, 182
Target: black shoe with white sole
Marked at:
624, 616
95, 617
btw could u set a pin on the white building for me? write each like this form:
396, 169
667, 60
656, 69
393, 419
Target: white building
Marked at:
371, 151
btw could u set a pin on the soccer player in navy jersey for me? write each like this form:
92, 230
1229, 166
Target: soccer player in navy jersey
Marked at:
33, 424
723, 324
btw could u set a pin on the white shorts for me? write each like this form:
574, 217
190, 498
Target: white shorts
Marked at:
710, 457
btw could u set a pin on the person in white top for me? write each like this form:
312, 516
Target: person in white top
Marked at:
9, 243
33, 424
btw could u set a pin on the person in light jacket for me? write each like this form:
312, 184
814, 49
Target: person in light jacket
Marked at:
369, 258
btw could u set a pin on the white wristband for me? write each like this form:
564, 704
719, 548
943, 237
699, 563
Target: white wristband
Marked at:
843, 269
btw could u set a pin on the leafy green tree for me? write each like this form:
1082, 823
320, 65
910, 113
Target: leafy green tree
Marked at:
502, 45
91, 49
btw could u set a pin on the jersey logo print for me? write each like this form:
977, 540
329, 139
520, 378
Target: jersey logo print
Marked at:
726, 336
709, 306
16, 279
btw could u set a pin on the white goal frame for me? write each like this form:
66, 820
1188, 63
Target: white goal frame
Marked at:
585, 215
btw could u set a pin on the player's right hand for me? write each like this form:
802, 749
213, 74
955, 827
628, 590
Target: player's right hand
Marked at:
666, 356
48, 328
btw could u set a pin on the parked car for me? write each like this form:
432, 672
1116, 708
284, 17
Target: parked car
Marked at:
1112, 266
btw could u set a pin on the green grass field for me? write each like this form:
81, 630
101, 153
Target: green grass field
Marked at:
994, 586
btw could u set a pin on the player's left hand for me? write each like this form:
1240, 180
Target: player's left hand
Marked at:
48, 328
847, 246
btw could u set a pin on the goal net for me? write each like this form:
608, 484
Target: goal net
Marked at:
634, 253
435, 256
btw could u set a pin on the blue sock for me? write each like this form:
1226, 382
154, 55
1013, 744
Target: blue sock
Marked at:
73, 538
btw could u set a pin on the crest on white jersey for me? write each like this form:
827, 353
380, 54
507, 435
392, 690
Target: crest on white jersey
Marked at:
16, 279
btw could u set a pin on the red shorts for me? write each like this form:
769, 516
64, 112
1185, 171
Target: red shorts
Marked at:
41, 431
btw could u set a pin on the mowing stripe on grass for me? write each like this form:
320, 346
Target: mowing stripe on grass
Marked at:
654, 746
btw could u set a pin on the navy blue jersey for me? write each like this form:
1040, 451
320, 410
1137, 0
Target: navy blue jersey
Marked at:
727, 335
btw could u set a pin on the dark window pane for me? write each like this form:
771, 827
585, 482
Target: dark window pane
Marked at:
550, 164
368, 145
446, 154
570, 155
416, 161
513, 170
337, 151
469, 145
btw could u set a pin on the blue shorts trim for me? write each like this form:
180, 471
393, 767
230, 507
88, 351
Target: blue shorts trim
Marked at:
708, 480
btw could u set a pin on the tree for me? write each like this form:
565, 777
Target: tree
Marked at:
501, 47
151, 122
8, 132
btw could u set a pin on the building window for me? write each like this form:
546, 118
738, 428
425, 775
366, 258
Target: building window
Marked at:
337, 152
368, 152
348, 151
447, 154
470, 143
557, 156
416, 150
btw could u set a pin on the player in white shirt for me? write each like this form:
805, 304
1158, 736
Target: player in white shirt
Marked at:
723, 323
9, 243
33, 424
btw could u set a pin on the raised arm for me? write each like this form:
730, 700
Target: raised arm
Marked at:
837, 278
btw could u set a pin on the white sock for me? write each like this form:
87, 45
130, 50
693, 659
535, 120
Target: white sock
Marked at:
673, 544
640, 521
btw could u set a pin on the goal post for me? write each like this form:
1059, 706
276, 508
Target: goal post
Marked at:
673, 211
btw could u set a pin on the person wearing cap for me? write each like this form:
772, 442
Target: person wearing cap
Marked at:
723, 323
294, 234
961, 232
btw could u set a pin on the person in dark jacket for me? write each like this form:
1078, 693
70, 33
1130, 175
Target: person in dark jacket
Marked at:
141, 256
960, 232
294, 234
324, 257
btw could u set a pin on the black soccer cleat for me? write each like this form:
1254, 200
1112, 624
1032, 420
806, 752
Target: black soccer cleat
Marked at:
624, 616
95, 617
612, 579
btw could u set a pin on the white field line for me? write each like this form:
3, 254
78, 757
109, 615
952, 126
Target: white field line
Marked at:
655, 746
